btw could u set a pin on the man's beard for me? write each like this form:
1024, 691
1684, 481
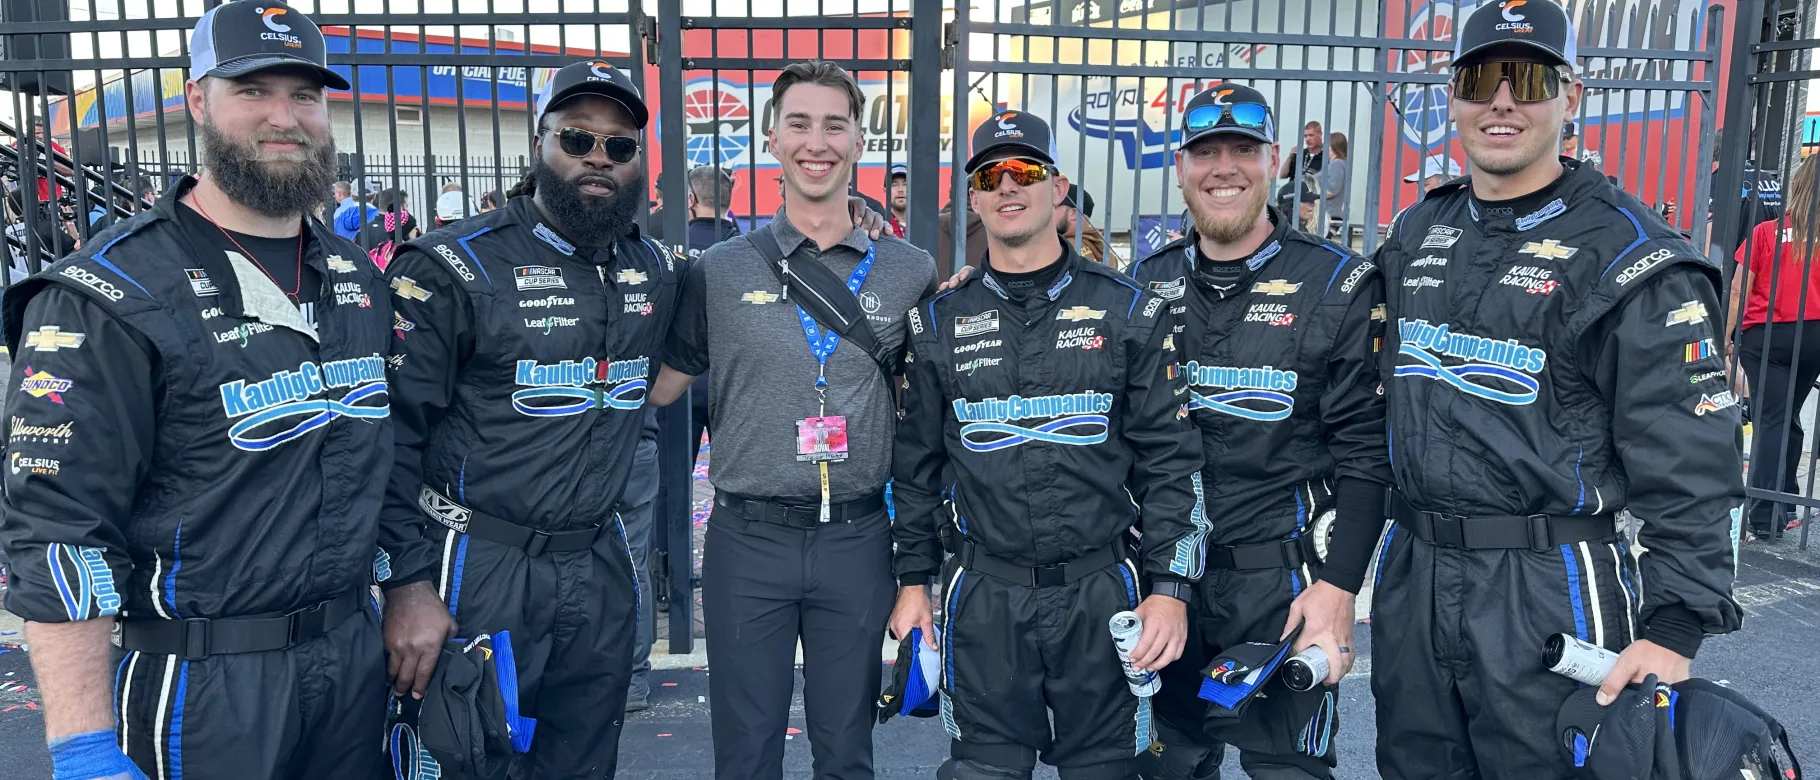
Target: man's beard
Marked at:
588, 220
1226, 231
275, 188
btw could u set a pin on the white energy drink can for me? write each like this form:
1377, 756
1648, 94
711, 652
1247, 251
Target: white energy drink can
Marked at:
1306, 670
1570, 657
1127, 628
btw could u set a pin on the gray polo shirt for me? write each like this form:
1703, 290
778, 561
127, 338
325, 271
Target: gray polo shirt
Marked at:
733, 325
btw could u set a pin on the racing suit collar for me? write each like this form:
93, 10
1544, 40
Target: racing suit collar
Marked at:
524, 211
789, 238
1537, 208
1070, 262
222, 272
1272, 246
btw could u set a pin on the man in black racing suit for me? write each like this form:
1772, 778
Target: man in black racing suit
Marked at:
1277, 331
1551, 360
1045, 386
197, 406
525, 340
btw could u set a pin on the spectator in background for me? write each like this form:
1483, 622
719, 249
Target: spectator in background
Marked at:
710, 197
1076, 212
897, 191
355, 212
1437, 170
345, 202
944, 249
1306, 210
391, 226
492, 200
1310, 157
1780, 342
1570, 141
451, 205
655, 223
1762, 196
1336, 183
44, 185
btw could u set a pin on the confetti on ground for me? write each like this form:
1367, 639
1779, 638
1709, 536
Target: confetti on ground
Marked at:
663, 735
10, 709
793, 730
669, 685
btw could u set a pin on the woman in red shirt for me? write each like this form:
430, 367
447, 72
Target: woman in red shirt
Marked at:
1780, 343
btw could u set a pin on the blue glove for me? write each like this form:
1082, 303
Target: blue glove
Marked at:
90, 756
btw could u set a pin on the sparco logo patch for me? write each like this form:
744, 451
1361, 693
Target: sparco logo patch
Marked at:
1642, 266
461, 268
88, 279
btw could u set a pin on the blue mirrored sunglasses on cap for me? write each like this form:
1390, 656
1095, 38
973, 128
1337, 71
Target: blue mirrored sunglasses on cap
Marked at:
1247, 115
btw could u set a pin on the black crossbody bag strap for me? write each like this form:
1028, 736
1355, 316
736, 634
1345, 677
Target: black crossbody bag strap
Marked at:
825, 297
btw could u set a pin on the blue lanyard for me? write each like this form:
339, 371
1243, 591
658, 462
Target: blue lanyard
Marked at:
823, 344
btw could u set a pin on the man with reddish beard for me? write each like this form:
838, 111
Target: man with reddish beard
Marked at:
1044, 401
1552, 362
525, 339
799, 542
200, 407
1277, 337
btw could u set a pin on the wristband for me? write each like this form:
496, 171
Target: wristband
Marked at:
90, 755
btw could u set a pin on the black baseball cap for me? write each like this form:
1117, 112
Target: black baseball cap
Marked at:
1225, 95
1538, 24
593, 77
1692, 730
244, 36
1078, 199
1025, 132
898, 169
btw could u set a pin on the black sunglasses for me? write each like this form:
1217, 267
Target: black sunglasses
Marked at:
577, 142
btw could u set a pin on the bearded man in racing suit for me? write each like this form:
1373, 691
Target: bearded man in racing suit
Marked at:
1277, 331
1551, 361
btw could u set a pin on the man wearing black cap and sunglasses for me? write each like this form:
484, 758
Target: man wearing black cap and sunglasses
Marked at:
1278, 332
1551, 361
1043, 400
199, 406
525, 339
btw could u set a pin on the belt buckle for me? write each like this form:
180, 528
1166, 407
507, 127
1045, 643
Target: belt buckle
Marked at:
196, 638
1447, 531
294, 621
539, 541
1049, 575
1539, 537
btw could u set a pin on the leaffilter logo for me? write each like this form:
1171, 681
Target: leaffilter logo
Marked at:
270, 15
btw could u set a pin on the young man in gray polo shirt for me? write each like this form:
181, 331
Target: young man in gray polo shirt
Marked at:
798, 545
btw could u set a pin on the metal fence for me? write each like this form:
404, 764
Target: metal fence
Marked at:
1768, 236
442, 93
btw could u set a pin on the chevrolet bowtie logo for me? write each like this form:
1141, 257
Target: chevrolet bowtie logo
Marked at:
1079, 313
1276, 287
405, 287
1690, 313
759, 297
51, 338
629, 276
339, 265
1549, 249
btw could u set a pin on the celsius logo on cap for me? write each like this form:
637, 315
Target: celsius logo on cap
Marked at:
1515, 20
279, 32
603, 71
1220, 97
1005, 128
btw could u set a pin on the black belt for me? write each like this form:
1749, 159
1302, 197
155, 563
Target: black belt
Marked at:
480, 525
1286, 554
1049, 576
197, 638
795, 514
1507, 532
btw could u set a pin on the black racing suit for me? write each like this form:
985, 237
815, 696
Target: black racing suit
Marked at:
1283, 381
1064, 425
180, 452
1550, 361
520, 368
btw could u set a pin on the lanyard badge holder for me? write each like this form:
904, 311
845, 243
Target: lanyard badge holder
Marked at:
822, 439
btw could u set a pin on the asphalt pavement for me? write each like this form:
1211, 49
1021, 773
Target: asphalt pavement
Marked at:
1771, 661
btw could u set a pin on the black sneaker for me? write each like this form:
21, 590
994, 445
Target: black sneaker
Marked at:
637, 703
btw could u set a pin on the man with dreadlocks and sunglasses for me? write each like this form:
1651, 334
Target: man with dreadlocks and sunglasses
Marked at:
1278, 332
523, 343
1551, 361
1044, 402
